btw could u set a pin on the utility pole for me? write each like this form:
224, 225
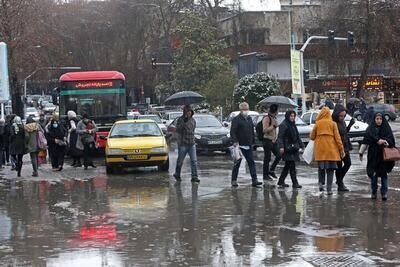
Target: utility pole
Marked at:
331, 37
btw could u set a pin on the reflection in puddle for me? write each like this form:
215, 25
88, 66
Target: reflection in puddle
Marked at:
122, 221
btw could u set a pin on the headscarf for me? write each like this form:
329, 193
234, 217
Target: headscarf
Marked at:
71, 114
324, 114
383, 131
30, 120
17, 123
375, 164
292, 125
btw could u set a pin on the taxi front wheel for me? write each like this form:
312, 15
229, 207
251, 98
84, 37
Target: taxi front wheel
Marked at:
164, 167
109, 170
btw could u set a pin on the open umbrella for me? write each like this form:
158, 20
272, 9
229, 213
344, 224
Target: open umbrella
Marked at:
184, 98
281, 101
354, 100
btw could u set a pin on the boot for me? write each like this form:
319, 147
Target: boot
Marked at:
19, 168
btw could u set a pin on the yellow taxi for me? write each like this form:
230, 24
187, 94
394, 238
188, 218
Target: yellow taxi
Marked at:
136, 143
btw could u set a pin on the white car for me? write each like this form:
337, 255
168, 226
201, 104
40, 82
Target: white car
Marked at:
154, 118
169, 117
356, 133
31, 111
227, 123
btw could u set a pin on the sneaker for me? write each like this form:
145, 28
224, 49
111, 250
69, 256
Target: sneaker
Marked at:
342, 188
297, 186
35, 174
273, 175
373, 196
321, 188
268, 178
234, 184
384, 197
256, 184
283, 185
330, 192
195, 180
177, 178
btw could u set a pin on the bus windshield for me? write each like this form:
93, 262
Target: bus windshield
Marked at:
94, 98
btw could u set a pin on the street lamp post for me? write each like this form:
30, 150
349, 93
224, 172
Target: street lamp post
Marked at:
303, 48
46, 68
39, 69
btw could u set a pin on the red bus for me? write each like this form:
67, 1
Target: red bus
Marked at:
101, 94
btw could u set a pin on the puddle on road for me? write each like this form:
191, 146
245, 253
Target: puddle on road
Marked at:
121, 221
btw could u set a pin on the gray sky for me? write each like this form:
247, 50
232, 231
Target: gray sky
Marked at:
258, 5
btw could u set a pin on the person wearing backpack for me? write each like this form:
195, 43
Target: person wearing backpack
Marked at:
31, 142
270, 145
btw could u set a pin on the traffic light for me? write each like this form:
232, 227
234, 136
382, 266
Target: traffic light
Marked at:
306, 75
154, 63
350, 39
331, 37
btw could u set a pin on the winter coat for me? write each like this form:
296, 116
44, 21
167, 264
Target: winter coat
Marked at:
3, 137
31, 135
270, 125
375, 163
343, 129
55, 133
185, 127
73, 138
328, 144
81, 131
289, 136
17, 141
242, 130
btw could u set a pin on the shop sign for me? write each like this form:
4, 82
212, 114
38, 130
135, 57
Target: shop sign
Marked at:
335, 83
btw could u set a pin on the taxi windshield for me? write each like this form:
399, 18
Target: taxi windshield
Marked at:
135, 129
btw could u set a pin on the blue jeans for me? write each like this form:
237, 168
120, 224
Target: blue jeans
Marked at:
384, 186
182, 151
248, 155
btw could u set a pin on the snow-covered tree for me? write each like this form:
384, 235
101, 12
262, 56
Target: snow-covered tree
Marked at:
253, 88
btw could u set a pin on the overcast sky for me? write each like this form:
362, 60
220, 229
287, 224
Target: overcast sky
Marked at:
258, 5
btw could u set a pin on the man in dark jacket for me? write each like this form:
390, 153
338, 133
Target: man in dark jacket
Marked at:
338, 115
242, 134
185, 127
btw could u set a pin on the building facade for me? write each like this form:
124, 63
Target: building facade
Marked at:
261, 42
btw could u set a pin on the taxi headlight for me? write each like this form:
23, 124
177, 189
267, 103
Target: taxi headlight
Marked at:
197, 136
160, 149
114, 151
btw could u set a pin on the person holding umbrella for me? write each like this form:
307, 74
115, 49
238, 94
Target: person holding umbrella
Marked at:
185, 127
242, 134
270, 144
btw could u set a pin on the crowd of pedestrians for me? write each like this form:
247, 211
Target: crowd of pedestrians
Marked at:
54, 138
331, 150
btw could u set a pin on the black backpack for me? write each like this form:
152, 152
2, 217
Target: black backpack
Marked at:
260, 130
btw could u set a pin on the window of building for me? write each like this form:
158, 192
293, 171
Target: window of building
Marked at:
257, 37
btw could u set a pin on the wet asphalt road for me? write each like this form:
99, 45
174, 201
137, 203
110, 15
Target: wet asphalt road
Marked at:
143, 218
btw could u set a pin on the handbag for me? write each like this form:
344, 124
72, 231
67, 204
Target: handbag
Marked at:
62, 143
391, 154
236, 153
87, 139
41, 141
292, 148
308, 154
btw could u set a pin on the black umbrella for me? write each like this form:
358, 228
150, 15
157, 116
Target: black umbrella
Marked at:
281, 101
184, 98
354, 100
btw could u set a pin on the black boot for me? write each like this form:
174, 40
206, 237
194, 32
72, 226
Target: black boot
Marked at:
19, 168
